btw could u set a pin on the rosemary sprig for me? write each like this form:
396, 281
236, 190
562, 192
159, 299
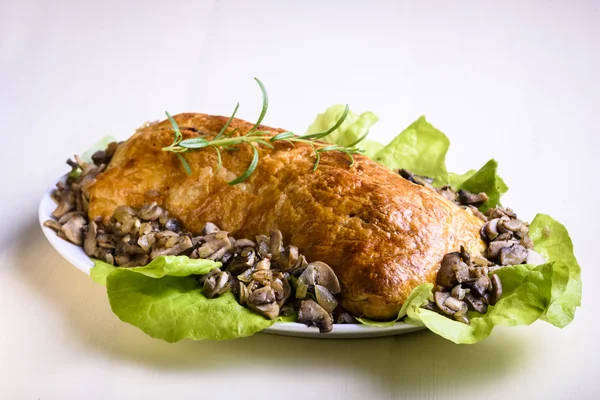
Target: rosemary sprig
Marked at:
255, 137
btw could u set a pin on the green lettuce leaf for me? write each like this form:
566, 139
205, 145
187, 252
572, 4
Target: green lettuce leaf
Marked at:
550, 291
485, 180
456, 180
100, 271
420, 148
354, 127
165, 301
371, 148
552, 240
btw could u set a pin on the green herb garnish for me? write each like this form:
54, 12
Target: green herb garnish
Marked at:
223, 140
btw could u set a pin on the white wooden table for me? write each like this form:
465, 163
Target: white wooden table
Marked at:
517, 81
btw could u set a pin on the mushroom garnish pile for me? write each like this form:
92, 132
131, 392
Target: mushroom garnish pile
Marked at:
464, 282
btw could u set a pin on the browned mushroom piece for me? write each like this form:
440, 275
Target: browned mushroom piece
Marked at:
448, 193
209, 228
325, 298
150, 212
243, 261
494, 248
452, 271
496, 289
213, 243
67, 203
282, 290
289, 258
440, 301
513, 255
475, 304
263, 295
182, 244
459, 292
52, 224
263, 245
73, 229
319, 273
242, 243
89, 245
312, 314
345, 318
276, 245
480, 286
467, 197
173, 225
490, 229
215, 283
270, 310
263, 265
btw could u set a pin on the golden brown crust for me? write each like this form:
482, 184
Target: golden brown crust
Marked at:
382, 234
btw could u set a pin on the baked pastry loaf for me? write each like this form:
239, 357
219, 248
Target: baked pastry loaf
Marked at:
381, 234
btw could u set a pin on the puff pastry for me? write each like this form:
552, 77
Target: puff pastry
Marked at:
382, 234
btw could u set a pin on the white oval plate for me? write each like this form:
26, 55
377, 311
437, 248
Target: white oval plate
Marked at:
76, 256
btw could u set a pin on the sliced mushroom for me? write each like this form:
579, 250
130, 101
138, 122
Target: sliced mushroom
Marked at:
263, 245
276, 245
345, 318
459, 292
89, 245
513, 255
490, 229
288, 258
241, 243
452, 270
494, 248
214, 242
467, 197
52, 224
440, 301
264, 295
459, 307
283, 290
319, 273
264, 277
481, 285
242, 261
173, 225
312, 314
475, 304
150, 212
216, 284
73, 229
182, 245
209, 228
480, 260
448, 193
263, 264
270, 310
496, 289
325, 298
146, 242
67, 203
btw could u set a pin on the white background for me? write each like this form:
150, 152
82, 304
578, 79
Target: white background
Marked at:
517, 81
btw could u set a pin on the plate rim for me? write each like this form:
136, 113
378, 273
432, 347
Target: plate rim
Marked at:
75, 256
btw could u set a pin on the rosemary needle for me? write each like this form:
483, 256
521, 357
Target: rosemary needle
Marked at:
224, 140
